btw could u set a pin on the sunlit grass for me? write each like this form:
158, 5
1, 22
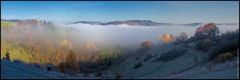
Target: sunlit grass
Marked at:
107, 55
6, 24
16, 52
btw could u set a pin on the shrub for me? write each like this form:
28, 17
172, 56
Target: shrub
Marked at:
137, 65
146, 44
145, 47
182, 37
7, 56
204, 44
49, 67
225, 56
229, 42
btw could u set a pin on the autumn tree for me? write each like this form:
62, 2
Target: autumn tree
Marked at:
36, 53
146, 44
90, 47
166, 38
72, 63
58, 57
207, 30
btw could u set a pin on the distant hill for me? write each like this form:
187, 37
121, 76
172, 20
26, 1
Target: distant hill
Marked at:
18, 22
88, 22
142, 23
127, 22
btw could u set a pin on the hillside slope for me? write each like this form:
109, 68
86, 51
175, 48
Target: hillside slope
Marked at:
18, 70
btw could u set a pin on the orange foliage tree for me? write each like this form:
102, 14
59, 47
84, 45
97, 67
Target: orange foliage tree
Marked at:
58, 58
166, 38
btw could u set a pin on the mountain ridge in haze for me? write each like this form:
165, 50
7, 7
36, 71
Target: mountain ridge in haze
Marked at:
123, 22
143, 23
127, 22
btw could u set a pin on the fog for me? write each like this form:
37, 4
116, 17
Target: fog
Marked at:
100, 36
123, 35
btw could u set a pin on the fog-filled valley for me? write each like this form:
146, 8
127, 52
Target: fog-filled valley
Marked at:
119, 40
118, 51
133, 35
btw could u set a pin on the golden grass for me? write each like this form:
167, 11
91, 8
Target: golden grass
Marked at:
16, 52
6, 24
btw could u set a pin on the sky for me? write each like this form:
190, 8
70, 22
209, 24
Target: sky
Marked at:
105, 11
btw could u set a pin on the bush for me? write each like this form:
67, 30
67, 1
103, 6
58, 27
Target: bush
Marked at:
146, 44
182, 37
145, 47
229, 42
7, 56
225, 56
49, 67
137, 65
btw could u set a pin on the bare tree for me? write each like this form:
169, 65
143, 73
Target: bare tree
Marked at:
182, 37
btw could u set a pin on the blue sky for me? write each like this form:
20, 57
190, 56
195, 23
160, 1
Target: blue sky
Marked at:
160, 11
